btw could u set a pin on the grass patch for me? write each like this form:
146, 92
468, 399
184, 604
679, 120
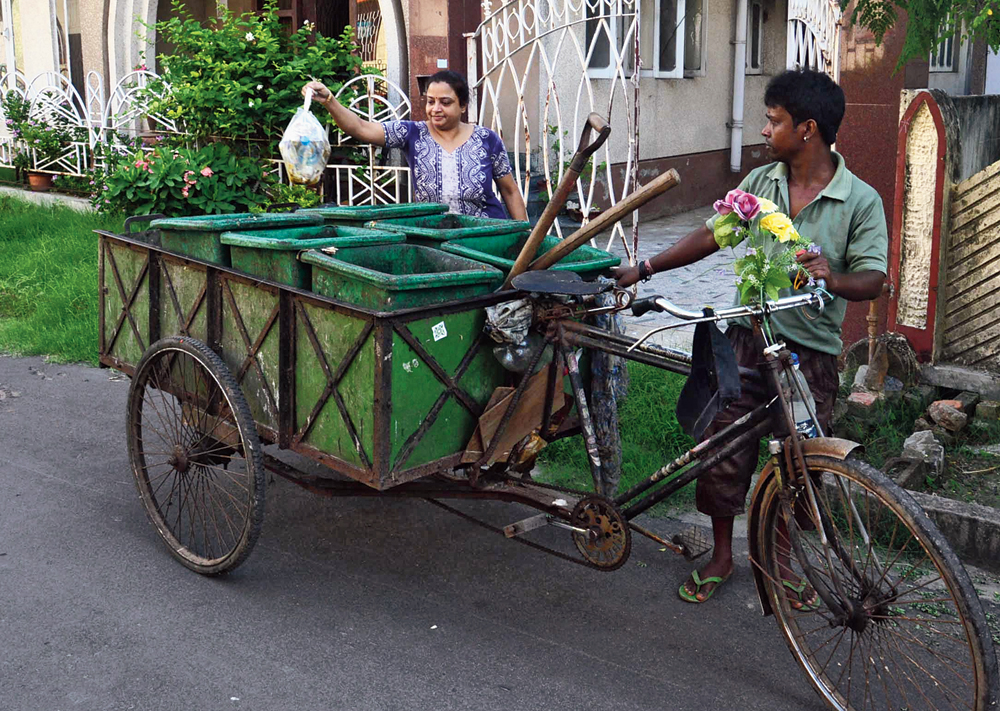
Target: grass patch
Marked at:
650, 433
969, 474
884, 432
48, 280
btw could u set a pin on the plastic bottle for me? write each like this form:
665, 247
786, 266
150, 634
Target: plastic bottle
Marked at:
804, 424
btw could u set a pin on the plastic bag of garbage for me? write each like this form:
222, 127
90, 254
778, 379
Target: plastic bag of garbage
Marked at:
305, 146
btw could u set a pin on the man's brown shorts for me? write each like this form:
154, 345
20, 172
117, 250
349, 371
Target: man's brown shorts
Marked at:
723, 490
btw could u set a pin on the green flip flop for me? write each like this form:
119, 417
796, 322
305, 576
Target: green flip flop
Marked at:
804, 605
688, 597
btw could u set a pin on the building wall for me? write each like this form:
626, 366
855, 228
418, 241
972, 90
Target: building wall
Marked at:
37, 20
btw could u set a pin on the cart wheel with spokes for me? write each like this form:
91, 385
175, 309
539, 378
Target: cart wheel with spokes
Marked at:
895, 621
195, 455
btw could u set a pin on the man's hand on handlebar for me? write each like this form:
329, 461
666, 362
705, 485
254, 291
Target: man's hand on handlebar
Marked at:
625, 276
816, 264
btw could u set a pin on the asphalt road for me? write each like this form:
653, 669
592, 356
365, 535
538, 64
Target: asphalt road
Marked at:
344, 604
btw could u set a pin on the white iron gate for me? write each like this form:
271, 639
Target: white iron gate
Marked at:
814, 36
538, 68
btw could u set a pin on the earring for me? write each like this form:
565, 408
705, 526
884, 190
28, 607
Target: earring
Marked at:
806, 139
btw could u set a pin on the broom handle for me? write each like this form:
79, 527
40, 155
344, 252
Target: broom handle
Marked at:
606, 219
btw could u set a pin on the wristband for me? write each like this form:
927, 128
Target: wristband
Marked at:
646, 271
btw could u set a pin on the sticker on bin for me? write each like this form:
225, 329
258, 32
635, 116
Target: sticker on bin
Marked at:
439, 331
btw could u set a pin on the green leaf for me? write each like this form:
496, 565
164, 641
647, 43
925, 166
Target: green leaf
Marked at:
726, 230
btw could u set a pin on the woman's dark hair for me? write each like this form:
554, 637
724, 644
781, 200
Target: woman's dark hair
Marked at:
805, 95
456, 81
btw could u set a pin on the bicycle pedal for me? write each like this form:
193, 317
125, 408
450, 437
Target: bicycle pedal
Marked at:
694, 542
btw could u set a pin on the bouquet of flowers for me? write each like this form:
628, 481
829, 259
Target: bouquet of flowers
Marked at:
772, 243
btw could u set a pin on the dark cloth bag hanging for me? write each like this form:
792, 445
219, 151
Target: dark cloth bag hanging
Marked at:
714, 382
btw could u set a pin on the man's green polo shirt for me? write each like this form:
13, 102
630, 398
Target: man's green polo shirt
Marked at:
847, 220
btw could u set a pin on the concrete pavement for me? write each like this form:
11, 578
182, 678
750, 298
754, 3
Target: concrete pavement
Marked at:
344, 604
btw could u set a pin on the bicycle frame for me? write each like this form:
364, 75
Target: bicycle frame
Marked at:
774, 417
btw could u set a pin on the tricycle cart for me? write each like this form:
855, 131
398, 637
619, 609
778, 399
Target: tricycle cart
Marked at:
399, 392
228, 369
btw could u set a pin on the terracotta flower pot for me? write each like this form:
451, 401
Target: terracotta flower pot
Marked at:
40, 182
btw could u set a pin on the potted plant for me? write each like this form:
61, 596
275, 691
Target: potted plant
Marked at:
46, 142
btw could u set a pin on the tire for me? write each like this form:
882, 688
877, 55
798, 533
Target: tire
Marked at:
917, 637
196, 457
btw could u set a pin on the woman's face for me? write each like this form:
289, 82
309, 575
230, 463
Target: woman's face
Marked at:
443, 109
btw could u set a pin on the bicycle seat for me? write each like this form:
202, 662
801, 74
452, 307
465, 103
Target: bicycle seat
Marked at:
547, 281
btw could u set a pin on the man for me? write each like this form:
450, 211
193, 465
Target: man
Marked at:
840, 213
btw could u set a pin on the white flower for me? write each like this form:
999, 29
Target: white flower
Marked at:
259, 87
251, 102
249, 36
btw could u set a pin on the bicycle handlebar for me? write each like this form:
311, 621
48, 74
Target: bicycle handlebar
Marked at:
658, 303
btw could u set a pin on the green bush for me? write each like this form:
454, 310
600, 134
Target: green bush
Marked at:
183, 181
241, 76
298, 194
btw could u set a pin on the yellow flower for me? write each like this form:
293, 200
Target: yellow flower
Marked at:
766, 206
778, 224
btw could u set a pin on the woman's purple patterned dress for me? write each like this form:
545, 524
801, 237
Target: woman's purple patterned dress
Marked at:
462, 179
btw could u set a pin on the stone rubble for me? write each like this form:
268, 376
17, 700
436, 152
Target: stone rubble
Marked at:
925, 447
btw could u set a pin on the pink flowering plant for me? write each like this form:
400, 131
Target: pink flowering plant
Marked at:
771, 241
183, 181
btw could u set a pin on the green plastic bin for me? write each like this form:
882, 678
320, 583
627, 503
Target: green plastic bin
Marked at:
199, 236
362, 215
501, 251
398, 276
273, 254
432, 230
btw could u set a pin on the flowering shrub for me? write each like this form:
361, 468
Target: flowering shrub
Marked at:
772, 242
182, 181
46, 139
15, 110
241, 76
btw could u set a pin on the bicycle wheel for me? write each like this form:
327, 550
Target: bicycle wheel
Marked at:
910, 632
195, 455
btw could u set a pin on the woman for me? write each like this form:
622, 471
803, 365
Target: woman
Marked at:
451, 161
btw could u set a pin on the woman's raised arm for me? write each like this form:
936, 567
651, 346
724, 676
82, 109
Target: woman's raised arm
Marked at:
348, 121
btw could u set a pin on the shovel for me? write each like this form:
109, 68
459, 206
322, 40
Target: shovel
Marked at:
584, 150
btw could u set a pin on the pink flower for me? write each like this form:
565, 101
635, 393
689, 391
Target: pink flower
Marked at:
184, 192
744, 204
206, 171
140, 164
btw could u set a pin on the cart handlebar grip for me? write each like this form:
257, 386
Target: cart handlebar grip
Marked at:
644, 306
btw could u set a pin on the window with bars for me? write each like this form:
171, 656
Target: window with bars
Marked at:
942, 58
678, 38
607, 29
755, 37
679, 35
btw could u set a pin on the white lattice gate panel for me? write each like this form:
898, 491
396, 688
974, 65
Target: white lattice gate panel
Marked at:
370, 182
814, 36
546, 65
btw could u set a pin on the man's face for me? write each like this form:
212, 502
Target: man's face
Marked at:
782, 136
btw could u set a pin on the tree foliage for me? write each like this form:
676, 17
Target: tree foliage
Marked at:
239, 76
929, 22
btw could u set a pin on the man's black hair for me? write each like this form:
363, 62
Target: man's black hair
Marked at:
456, 81
805, 95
